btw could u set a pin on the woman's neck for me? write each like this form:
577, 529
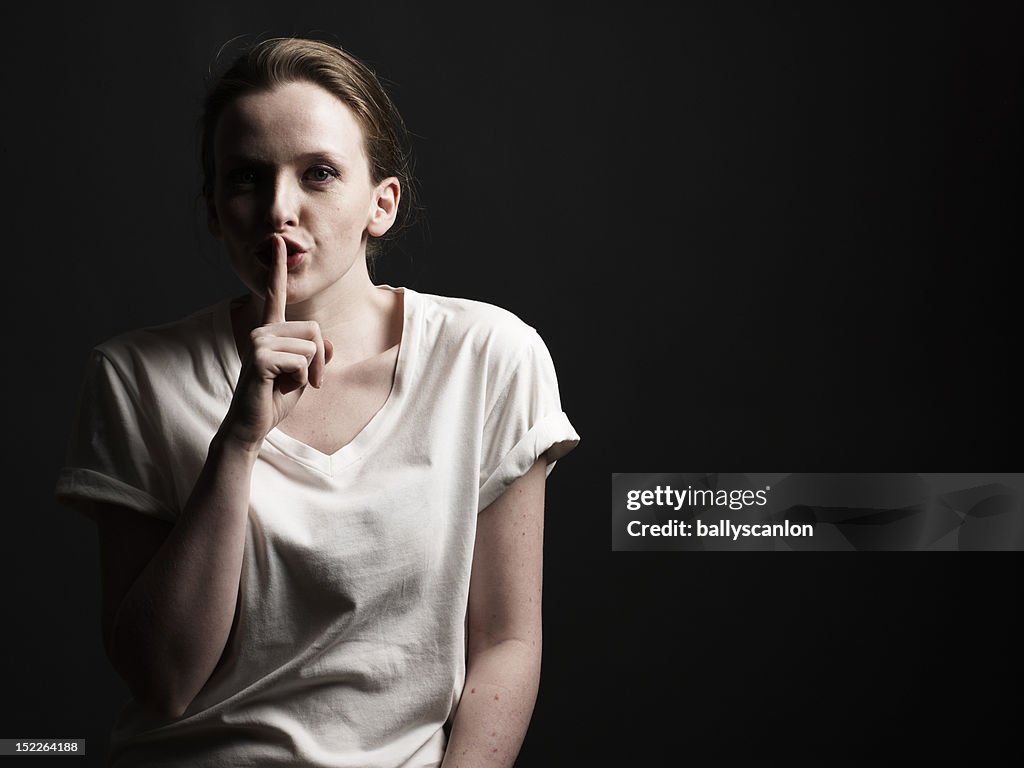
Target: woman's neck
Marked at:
360, 319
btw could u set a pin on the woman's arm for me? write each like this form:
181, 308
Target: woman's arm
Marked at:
170, 594
504, 626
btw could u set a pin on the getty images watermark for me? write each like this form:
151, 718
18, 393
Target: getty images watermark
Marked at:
706, 498
817, 511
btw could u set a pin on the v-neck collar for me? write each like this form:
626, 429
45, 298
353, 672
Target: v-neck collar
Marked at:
360, 445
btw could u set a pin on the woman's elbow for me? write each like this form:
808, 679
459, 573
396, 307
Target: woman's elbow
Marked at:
162, 707
155, 690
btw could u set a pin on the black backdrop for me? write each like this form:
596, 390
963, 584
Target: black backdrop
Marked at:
755, 237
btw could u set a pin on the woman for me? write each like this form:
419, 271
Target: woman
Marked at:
341, 485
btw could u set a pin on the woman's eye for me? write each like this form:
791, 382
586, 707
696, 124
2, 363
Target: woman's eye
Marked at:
321, 174
242, 176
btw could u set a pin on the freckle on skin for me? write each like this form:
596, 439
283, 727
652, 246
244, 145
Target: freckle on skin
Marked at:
473, 690
495, 697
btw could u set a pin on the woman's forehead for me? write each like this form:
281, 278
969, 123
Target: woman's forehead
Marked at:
297, 117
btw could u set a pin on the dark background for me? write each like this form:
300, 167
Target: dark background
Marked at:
754, 236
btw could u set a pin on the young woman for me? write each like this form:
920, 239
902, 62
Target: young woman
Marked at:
320, 505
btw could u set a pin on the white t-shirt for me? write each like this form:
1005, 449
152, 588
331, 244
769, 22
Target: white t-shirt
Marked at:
349, 644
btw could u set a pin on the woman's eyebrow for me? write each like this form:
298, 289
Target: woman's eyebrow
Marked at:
240, 158
329, 155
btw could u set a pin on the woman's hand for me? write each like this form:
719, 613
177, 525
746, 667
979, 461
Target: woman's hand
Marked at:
283, 358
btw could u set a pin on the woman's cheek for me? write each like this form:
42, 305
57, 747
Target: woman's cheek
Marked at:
247, 271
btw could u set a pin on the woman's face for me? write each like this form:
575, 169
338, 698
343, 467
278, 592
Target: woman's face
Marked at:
291, 161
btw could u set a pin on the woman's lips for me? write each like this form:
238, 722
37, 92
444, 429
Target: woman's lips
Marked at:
294, 257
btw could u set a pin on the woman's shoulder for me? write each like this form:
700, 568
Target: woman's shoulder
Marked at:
474, 320
166, 344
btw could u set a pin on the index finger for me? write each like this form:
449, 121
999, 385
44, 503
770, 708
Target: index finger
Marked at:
277, 285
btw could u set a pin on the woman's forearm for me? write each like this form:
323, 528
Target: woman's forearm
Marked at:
173, 624
496, 706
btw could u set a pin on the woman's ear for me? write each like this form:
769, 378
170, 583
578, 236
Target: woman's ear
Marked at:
385, 206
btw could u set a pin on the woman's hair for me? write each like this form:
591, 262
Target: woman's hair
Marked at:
269, 63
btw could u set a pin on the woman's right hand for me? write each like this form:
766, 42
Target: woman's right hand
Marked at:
283, 358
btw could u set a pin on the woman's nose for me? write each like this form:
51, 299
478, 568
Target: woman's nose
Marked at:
283, 210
